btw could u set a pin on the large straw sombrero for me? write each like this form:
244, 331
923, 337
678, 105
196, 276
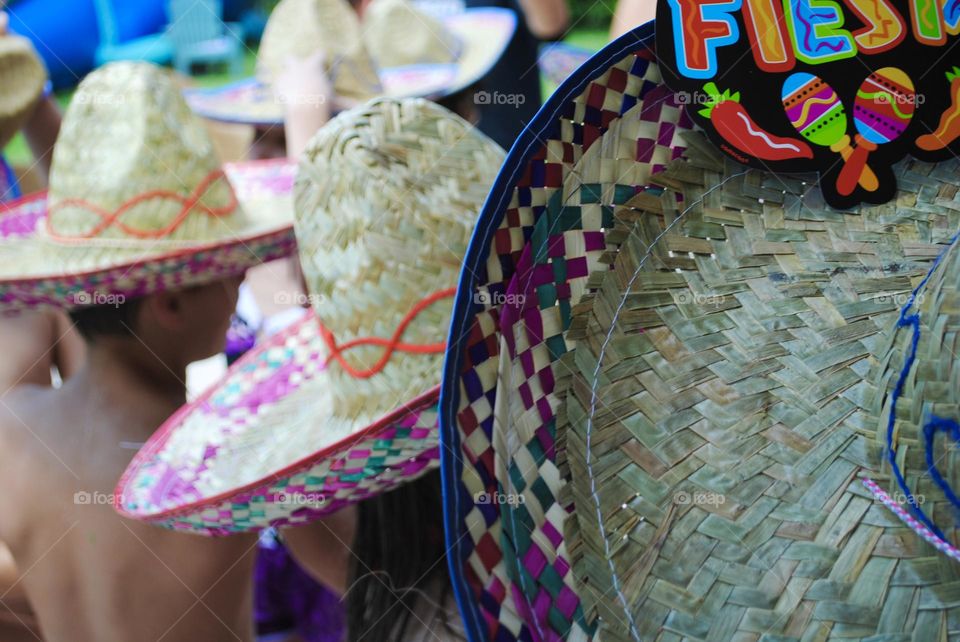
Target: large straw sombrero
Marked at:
22, 77
138, 202
342, 405
662, 386
397, 51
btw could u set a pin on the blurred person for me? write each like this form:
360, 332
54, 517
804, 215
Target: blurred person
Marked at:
630, 14
36, 346
149, 294
516, 76
39, 119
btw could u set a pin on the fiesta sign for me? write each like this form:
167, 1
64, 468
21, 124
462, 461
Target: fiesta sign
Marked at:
843, 89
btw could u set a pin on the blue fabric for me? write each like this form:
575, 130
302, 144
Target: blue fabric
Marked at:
9, 189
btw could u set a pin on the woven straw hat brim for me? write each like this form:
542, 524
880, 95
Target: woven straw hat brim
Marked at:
738, 334
485, 34
258, 450
594, 130
22, 77
36, 272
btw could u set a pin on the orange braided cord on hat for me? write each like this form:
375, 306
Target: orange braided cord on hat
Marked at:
113, 218
393, 344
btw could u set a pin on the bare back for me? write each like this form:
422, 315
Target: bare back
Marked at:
90, 574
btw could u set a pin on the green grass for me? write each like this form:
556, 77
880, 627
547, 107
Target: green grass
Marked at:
17, 152
592, 39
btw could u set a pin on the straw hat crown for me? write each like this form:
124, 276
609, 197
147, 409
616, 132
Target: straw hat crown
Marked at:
298, 28
386, 199
397, 34
133, 164
22, 77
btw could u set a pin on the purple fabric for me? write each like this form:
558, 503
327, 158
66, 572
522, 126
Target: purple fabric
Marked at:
286, 599
289, 600
240, 338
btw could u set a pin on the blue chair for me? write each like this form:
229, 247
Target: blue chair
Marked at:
199, 35
155, 48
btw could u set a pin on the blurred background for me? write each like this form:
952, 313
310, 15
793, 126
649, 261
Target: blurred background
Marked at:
75, 36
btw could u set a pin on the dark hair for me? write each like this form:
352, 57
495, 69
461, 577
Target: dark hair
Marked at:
113, 319
399, 546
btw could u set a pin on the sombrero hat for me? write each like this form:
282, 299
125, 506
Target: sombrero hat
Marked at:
342, 405
138, 203
22, 77
662, 385
397, 51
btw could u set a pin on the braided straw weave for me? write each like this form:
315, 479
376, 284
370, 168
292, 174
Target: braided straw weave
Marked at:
596, 143
740, 366
22, 77
727, 389
299, 27
138, 201
386, 199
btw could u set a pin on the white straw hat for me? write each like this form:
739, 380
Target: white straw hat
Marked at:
396, 51
137, 202
22, 77
340, 406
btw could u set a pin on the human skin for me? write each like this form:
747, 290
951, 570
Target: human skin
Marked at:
630, 14
89, 573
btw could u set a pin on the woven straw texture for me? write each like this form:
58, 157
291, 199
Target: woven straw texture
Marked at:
396, 34
22, 77
368, 256
299, 27
609, 136
741, 366
138, 202
728, 387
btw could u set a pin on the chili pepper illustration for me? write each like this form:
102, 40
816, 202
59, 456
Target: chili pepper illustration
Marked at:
736, 126
949, 128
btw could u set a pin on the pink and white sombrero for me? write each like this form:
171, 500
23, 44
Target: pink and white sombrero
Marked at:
138, 202
342, 405
397, 51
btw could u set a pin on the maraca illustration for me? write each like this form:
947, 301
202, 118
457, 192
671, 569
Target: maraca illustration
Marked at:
815, 110
882, 111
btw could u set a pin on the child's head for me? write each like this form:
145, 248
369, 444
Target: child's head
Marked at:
179, 326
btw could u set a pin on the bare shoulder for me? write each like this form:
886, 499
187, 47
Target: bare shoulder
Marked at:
15, 456
24, 413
